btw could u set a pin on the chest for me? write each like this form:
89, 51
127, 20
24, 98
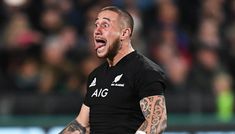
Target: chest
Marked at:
111, 89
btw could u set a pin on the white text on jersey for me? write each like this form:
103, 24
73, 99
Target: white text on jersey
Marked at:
100, 93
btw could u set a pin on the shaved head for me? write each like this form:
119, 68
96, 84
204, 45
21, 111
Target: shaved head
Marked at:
125, 18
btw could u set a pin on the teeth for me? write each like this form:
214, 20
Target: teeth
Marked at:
100, 41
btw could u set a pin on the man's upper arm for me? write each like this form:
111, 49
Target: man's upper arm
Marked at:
154, 111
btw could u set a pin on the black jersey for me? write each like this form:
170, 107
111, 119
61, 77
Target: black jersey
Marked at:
113, 93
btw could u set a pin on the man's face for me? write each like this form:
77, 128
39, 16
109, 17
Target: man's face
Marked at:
107, 34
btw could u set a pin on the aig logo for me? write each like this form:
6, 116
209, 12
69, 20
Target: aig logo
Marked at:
100, 93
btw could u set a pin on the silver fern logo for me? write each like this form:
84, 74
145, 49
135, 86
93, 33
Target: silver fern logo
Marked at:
117, 79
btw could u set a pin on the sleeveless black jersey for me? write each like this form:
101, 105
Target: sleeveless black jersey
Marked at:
114, 93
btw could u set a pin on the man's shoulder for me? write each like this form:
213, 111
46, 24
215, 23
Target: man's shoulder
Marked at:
144, 64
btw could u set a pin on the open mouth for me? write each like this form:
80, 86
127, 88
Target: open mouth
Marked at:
99, 42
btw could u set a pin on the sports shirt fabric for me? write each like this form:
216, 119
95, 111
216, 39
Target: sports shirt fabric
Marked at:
114, 93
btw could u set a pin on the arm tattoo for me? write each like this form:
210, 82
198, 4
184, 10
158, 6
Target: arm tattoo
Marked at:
145, 105
73, 126
144, 125
154, 111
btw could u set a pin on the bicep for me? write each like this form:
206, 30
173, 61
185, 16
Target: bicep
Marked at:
83, 116
154, 111
153, 105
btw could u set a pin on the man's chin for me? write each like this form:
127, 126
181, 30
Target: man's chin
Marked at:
101, 55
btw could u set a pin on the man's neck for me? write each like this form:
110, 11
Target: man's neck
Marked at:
120, 54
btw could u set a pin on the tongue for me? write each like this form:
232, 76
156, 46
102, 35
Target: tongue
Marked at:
99, 45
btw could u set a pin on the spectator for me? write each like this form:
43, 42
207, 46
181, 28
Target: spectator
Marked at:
222, 85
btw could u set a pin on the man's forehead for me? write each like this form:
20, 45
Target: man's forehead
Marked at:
108, 15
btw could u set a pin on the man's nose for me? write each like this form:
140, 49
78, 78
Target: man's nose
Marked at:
98, 31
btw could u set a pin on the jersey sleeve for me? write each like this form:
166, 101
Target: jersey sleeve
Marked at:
150, 82
87, 99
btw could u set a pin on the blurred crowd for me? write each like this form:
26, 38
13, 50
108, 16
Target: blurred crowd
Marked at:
46, 45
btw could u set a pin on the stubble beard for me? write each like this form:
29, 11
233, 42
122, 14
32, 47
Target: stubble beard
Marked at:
113, 49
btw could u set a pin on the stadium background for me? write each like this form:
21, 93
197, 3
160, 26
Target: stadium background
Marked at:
46, 55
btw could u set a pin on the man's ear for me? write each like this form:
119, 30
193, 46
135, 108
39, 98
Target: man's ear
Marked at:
126, 33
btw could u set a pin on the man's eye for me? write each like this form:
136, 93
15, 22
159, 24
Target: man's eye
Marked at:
105, 25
